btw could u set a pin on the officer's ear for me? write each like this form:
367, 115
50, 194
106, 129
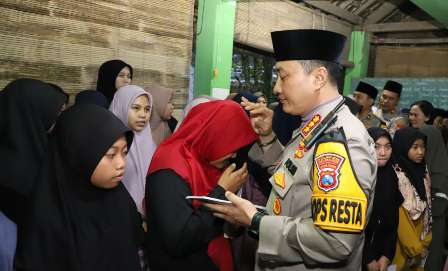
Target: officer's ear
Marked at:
320, 75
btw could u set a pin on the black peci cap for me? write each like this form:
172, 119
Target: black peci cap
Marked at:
307, 44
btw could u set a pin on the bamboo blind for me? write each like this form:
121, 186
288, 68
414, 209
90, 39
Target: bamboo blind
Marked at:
256, 19
65, 41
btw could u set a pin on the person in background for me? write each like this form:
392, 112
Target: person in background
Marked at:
389, 101
261, 98
414, 226
59, 89
437, 118
365, 95
91, 97
381, 231
28, 110
284, 124
80, 216
112, 75
161, 113
182, 235
132, 105
420, 117
438, 123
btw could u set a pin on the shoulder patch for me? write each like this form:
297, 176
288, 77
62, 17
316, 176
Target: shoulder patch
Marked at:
338, 203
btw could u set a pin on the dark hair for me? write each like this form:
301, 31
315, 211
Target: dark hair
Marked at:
427, 108
334, 69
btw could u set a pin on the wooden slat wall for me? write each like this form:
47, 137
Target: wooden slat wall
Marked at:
255, 19
65, 41
391, 61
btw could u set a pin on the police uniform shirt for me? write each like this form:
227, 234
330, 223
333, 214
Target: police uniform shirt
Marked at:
289, 239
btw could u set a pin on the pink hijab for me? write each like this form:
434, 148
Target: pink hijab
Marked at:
142, 148
159, 126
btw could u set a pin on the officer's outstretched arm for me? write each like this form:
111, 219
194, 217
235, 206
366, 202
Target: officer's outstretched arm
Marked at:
342, 184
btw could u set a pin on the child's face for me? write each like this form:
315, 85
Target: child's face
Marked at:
417, 151
139, 113
383, 150
123, 78
110, 170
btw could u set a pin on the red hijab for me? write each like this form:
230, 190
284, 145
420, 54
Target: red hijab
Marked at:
210, 131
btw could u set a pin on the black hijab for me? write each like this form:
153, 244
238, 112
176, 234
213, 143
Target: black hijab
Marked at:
71, 224
386, 181
284, 124
28, 109
403, 140
107, 75
91, 97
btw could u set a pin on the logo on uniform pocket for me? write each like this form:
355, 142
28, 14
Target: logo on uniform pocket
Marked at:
328, 166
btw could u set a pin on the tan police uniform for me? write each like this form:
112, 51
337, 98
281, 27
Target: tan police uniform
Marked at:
321, 196
371, 120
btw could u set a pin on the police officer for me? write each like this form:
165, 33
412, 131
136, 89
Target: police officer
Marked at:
323, 181
365, 95
389, 100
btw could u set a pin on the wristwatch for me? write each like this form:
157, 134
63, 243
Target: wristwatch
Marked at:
254, 228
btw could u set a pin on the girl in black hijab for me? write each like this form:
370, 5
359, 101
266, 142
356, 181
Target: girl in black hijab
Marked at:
81, 216
29, 108
381, 231
414, 229
112, 75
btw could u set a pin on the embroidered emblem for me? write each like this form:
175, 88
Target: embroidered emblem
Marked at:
279, 179
300, 152
277, 208
328, 165
309, 127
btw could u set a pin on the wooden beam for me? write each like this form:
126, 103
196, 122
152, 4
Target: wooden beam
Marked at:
326, 6
378, 41
403, 27
384, 10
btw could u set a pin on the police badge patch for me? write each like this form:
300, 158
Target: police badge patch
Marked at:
328, 166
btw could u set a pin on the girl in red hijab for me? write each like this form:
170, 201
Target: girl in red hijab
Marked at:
183, 235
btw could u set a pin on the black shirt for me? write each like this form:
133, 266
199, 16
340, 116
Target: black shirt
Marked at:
178, 234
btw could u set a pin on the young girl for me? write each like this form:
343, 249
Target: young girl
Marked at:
381, 231
112, 75
132, 105
163, 109
183, 235
81, 217
414, 227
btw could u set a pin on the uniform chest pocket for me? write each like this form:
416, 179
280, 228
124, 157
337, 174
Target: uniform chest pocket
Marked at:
288, 174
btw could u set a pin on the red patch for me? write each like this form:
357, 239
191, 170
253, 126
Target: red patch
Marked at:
328, 166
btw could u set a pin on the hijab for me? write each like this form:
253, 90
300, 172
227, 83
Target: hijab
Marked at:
386, 180
143, 147
28, 109
91, 97
436, 158
210, 131
284, 124
159, 126
403, 140
107, 76
71, 224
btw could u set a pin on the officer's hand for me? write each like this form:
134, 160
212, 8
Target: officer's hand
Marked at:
231, 179
240, 213
373, 266
383, 263
260, 117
